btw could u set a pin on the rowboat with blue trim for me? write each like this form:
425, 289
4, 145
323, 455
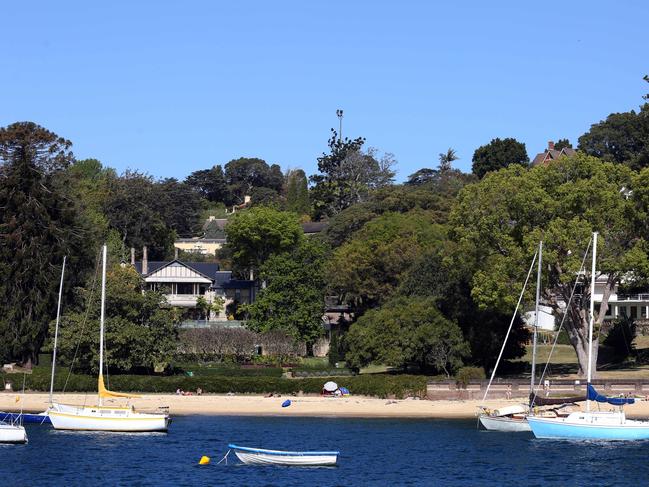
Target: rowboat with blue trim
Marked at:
258, 456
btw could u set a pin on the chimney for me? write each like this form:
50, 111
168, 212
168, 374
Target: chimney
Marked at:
133, 256
551, 145
175, 253
145, 261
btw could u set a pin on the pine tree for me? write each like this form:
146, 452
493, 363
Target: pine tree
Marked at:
297, 192
38, 225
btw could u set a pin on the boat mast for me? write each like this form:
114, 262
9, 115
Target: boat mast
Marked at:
56, 330
101, 319
592, 319
536, 324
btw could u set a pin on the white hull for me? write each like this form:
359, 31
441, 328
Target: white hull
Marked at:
254, 456
505, 424
12, 434
95, 418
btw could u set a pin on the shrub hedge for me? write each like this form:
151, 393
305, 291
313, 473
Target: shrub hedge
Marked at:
378, 385
234, 371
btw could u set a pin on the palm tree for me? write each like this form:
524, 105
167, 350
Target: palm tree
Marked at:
445, 159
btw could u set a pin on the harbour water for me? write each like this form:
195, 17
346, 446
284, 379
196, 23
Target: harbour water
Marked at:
372, 452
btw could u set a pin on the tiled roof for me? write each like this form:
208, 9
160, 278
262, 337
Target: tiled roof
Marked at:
552, 154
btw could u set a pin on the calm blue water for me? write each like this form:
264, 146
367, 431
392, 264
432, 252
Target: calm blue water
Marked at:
373, 452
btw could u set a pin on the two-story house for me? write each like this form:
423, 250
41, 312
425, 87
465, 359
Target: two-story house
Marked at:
184, 282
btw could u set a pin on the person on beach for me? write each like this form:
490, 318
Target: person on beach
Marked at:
199, 391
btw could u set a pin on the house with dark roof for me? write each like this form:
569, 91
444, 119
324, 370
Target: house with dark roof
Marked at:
551, 154
214, 239
184, 282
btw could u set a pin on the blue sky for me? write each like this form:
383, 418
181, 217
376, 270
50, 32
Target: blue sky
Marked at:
172, 87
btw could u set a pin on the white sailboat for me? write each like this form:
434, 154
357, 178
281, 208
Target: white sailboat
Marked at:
511, 419
592, 425
100, 417
12, 433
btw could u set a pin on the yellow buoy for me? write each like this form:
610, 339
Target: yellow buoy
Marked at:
204, 460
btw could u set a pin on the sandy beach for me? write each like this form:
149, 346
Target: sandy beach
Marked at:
250, 405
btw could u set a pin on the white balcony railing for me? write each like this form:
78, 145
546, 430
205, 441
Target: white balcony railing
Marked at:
185, 300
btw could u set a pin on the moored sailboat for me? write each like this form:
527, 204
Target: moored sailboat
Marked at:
513, 419
592, 425
12, 433
100, 417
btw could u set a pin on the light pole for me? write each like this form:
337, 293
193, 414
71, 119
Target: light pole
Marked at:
339, 114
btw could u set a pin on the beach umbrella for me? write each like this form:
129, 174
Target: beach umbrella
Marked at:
330, 386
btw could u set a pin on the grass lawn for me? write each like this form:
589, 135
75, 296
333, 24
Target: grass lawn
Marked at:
564, 362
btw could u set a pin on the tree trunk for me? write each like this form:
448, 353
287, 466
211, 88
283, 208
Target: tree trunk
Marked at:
577, 323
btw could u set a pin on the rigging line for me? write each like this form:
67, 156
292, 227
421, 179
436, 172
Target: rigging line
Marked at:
511, 323
22, 401
83, 324
565, 314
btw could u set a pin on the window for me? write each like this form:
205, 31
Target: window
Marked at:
185, 288
634, 312
643, 311
609, 310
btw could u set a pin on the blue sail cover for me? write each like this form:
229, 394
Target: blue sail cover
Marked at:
593, 395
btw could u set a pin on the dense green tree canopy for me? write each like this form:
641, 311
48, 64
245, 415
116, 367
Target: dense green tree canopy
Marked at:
437, 195
179, 206
366, 270
210, 184
621, 138
498, 223
39, 224
256, 234
406, 331
134, 207
497, 154
441, 276
293, 299
246, 173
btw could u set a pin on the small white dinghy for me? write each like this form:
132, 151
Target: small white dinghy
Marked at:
10, 433
257, 456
